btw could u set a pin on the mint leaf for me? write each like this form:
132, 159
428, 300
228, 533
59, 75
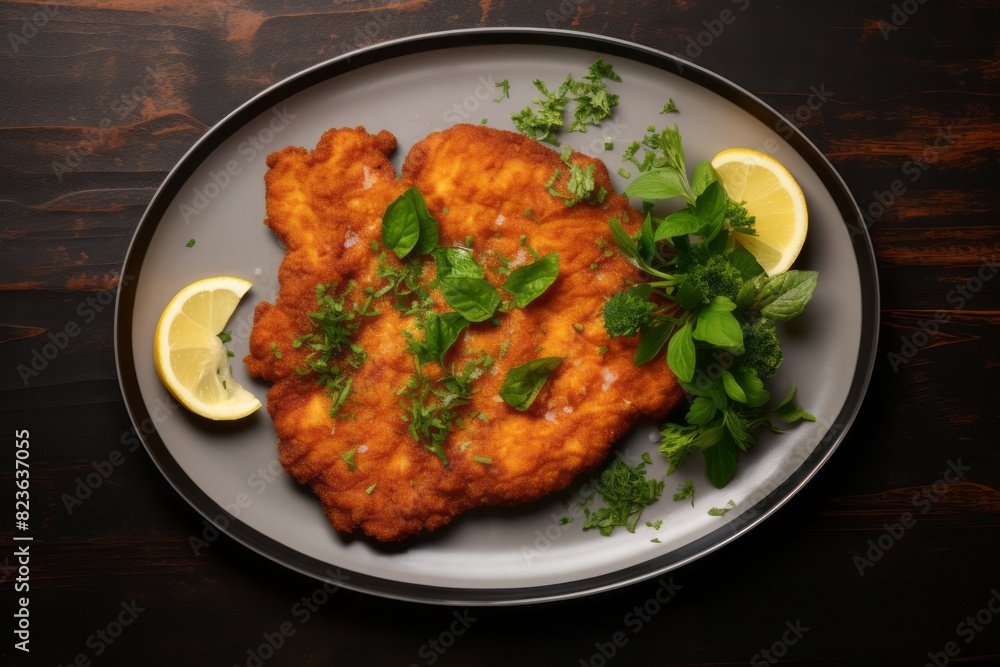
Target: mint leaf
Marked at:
523, 382
680, 223
704, 175
785, 295
702, 411
665, 183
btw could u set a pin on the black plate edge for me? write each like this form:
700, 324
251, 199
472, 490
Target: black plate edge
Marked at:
320, 570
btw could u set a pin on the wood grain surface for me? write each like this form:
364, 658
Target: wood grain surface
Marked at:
100, 98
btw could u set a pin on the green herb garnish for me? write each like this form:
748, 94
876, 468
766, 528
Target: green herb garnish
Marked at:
190, 244
722, 511
348, 457
483, 459
530, 281
685, 491
334, 324
523, 382
432, 412
669, 106
708, 303
626, 491
275, 351
593, 104
504, 87
370, 489
407, 226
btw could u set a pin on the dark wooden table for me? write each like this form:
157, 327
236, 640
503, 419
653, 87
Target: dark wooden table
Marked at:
910, 121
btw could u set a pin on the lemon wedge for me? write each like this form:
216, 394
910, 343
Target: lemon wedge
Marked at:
773, 196
190, 357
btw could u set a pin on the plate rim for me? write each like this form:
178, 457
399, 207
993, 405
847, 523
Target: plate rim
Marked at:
442, 595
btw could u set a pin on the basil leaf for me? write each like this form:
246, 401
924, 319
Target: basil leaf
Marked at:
732, 387
720, 461
746, 295
647, 242
717, 245
523, 382
753, 388
456, 263
440, 333
401, 226
704, 175
717, 326
689, 296
623, 240
474, 298
785, 295
681, 354
702, 411
680, 223
530, 281
428, 224
790, 413
711, 208
745, 262
663, 183
651, 343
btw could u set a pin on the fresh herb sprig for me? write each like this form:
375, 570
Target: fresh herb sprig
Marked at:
334, 324
709, 303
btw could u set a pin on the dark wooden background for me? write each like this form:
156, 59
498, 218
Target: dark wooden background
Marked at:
79, 162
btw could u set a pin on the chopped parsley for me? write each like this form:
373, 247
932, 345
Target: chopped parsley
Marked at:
685, 491
580, 186
190, 244
625, 491
504, 87
226, 337
348, 457
403, 283
565, 520
431, 411
334, 324
592, 99
669, 106
722, 511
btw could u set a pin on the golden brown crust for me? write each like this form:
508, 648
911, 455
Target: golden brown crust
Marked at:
493, 184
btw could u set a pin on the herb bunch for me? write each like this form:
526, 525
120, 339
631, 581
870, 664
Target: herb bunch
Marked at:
708, 302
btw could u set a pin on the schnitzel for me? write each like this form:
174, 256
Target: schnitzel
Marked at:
488, 189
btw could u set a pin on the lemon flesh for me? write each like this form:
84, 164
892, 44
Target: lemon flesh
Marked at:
774, 197
190, 357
